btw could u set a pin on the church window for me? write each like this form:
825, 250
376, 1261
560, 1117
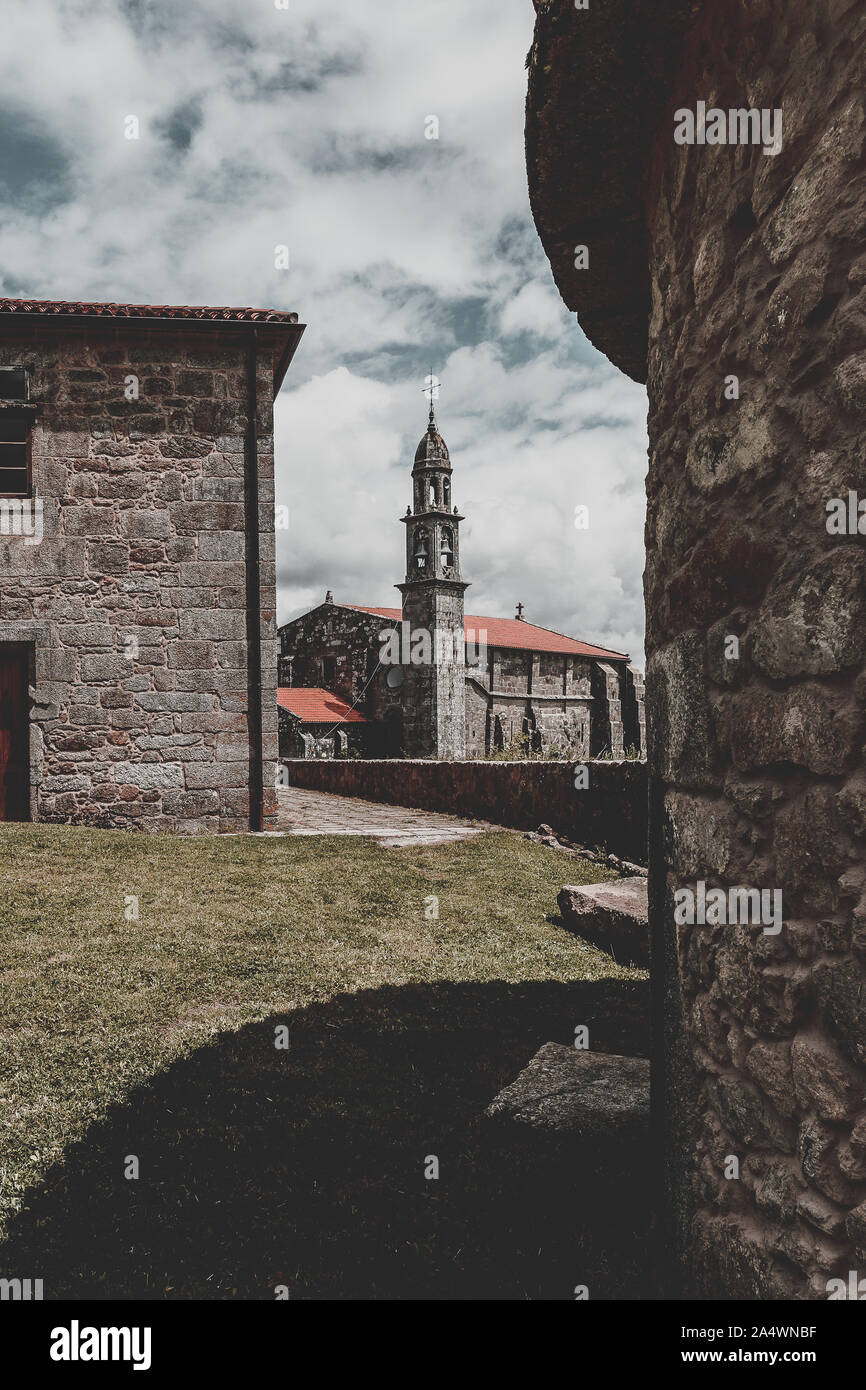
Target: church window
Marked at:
330, 675
14, 454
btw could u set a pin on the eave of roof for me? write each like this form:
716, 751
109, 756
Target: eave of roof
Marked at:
144, 311
280, 327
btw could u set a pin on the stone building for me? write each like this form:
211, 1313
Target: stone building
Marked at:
315, 723
137, 572
434, 682
730, 275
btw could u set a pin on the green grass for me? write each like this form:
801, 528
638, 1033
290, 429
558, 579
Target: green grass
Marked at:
155, 1036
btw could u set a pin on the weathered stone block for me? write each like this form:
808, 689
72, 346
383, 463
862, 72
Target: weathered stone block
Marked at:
749, 1116
188, 654
147, 524
856, 1228
810, 850
221, 546
206, 516
778, 1192
817, 1150
812, 727
612, 916
191, 804
678, 713
213, 624
841, 989
823, 1079
590, 1096
149, 776
226, 774
101, 667
814, 622
769, 1065
89, 519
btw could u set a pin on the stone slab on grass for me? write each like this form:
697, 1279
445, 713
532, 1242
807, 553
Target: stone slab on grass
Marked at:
590, 1096
612, 916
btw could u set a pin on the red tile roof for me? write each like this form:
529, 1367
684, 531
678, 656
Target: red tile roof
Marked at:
515, 633
313, 706
144, 311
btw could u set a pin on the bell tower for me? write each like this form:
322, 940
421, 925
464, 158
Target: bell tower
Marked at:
434, 700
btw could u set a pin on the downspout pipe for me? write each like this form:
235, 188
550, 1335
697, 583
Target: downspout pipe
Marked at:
252, 556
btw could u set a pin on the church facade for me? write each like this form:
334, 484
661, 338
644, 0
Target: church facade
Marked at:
428, 680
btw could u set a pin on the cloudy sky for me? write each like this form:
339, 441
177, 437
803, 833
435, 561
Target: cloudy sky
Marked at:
306, 127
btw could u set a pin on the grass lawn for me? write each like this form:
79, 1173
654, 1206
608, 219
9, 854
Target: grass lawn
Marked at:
259, 1167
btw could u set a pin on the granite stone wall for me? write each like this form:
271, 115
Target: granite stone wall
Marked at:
611, 811
734, 282
133, 601
757, 645
434, 695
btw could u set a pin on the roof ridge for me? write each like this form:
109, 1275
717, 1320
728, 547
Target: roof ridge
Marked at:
541, 628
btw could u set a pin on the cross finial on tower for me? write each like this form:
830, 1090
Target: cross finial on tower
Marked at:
431, 391
519, 613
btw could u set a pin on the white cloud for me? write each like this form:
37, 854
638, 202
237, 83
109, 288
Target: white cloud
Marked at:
306, 127
535, 309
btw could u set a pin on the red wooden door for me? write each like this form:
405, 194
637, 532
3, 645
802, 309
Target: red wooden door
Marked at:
14, 735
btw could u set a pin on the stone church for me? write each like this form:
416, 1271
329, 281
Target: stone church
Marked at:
428, 680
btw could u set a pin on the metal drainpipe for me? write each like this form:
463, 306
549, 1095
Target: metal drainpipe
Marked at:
253, 593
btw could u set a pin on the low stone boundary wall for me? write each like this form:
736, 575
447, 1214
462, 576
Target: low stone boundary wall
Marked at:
610, 811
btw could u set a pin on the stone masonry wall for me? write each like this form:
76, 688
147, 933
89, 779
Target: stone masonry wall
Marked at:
757, 649
607, 706
434, 696
134, 600
611, 811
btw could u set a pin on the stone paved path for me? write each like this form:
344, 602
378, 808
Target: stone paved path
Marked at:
304, 812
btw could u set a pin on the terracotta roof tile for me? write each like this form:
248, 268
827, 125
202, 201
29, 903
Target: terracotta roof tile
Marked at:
144, 311
514, 633
314, 706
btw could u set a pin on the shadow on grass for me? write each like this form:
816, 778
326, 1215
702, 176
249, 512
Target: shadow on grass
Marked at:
305, 1168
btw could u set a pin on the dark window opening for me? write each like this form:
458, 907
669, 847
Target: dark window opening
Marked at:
13, 384
14, 733
330, 670
14, 454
